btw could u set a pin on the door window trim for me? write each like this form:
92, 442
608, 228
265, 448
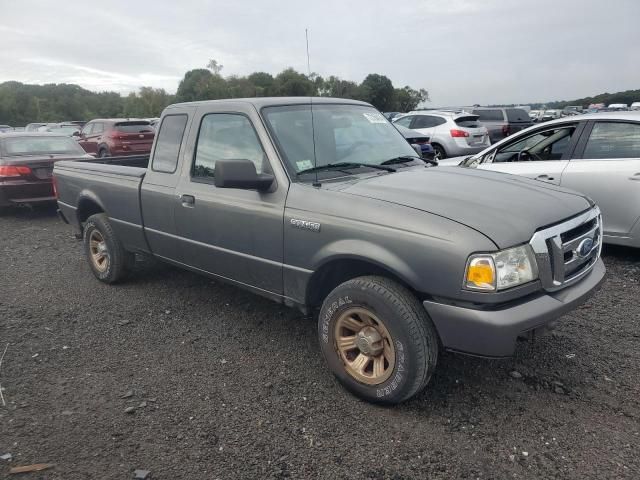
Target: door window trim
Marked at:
577, 135
210, 180
586, 134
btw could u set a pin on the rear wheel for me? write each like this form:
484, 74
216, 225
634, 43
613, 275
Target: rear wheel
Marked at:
439, 152
377, 339
107, 258
103, 152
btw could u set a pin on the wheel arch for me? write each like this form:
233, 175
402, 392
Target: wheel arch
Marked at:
341, 268
88, 204
439, 145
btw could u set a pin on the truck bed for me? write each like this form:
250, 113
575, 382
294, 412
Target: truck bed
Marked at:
112, 185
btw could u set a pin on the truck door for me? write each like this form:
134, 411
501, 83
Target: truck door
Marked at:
158, 197
233, 233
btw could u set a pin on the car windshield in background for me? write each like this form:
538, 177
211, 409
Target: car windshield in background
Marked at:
133, 127
343, 134
19, 146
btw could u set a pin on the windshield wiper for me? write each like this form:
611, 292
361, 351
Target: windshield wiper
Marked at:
408, 158
341, 165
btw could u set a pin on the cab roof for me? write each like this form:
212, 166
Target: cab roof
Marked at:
260, 102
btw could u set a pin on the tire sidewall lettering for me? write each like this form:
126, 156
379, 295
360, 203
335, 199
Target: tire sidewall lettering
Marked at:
326, 320
398, 376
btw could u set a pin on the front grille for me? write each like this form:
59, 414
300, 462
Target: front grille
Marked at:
567, 251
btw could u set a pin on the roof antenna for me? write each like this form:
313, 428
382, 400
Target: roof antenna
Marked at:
313, 130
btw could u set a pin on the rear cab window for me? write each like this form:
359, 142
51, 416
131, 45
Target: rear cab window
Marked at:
167, 149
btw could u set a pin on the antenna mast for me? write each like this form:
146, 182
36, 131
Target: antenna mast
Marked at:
306, 34
313, 129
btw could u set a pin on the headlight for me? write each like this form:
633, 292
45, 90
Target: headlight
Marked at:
508, 268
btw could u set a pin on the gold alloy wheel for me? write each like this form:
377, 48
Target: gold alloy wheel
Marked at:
365, 346
99, 252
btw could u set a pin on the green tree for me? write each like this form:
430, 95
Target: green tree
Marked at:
263, 83
290, 83
378, 91
406, 98
194, 86
214, 66
335, 87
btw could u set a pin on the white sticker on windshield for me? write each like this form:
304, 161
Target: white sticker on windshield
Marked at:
375, 118
304, 164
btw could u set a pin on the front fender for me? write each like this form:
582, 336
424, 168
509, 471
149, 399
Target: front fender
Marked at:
366, 251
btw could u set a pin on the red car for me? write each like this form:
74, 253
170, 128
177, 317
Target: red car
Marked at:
116, 137
26, 164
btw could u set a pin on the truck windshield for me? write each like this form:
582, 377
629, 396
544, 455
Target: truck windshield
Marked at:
343, 134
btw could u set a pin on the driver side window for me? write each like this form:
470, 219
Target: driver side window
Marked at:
543, 145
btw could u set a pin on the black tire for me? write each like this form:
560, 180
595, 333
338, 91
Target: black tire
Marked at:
116, 258
103, 153
411, 331
440, 152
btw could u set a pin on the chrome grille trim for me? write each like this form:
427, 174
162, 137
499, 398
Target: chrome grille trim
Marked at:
550, 251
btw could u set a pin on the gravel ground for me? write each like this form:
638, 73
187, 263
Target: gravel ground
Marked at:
189, 378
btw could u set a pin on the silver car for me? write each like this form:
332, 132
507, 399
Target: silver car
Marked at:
597, 154
452, 133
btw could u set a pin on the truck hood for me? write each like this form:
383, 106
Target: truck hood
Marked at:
506, 208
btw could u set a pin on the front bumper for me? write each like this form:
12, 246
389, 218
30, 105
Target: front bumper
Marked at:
493, 333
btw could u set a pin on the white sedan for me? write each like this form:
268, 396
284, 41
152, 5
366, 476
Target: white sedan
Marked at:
596, 154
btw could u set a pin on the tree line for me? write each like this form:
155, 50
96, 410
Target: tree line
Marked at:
23, 103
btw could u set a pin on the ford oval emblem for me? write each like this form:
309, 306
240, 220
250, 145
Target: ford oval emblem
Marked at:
585, 247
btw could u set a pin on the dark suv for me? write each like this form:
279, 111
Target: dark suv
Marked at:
116, 137
502, 122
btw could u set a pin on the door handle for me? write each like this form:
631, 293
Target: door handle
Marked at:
188, 200
544, 177
636, 177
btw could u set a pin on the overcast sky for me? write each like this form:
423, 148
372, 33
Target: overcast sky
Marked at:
461, 51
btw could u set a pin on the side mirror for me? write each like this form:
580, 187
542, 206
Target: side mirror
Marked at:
417, 148
75, 134
241, 174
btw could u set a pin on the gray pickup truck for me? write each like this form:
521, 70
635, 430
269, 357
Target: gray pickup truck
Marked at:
322, 205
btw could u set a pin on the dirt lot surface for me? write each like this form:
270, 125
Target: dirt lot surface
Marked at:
188, 378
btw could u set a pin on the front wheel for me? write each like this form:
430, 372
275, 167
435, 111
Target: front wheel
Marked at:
377, 339
107, 258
